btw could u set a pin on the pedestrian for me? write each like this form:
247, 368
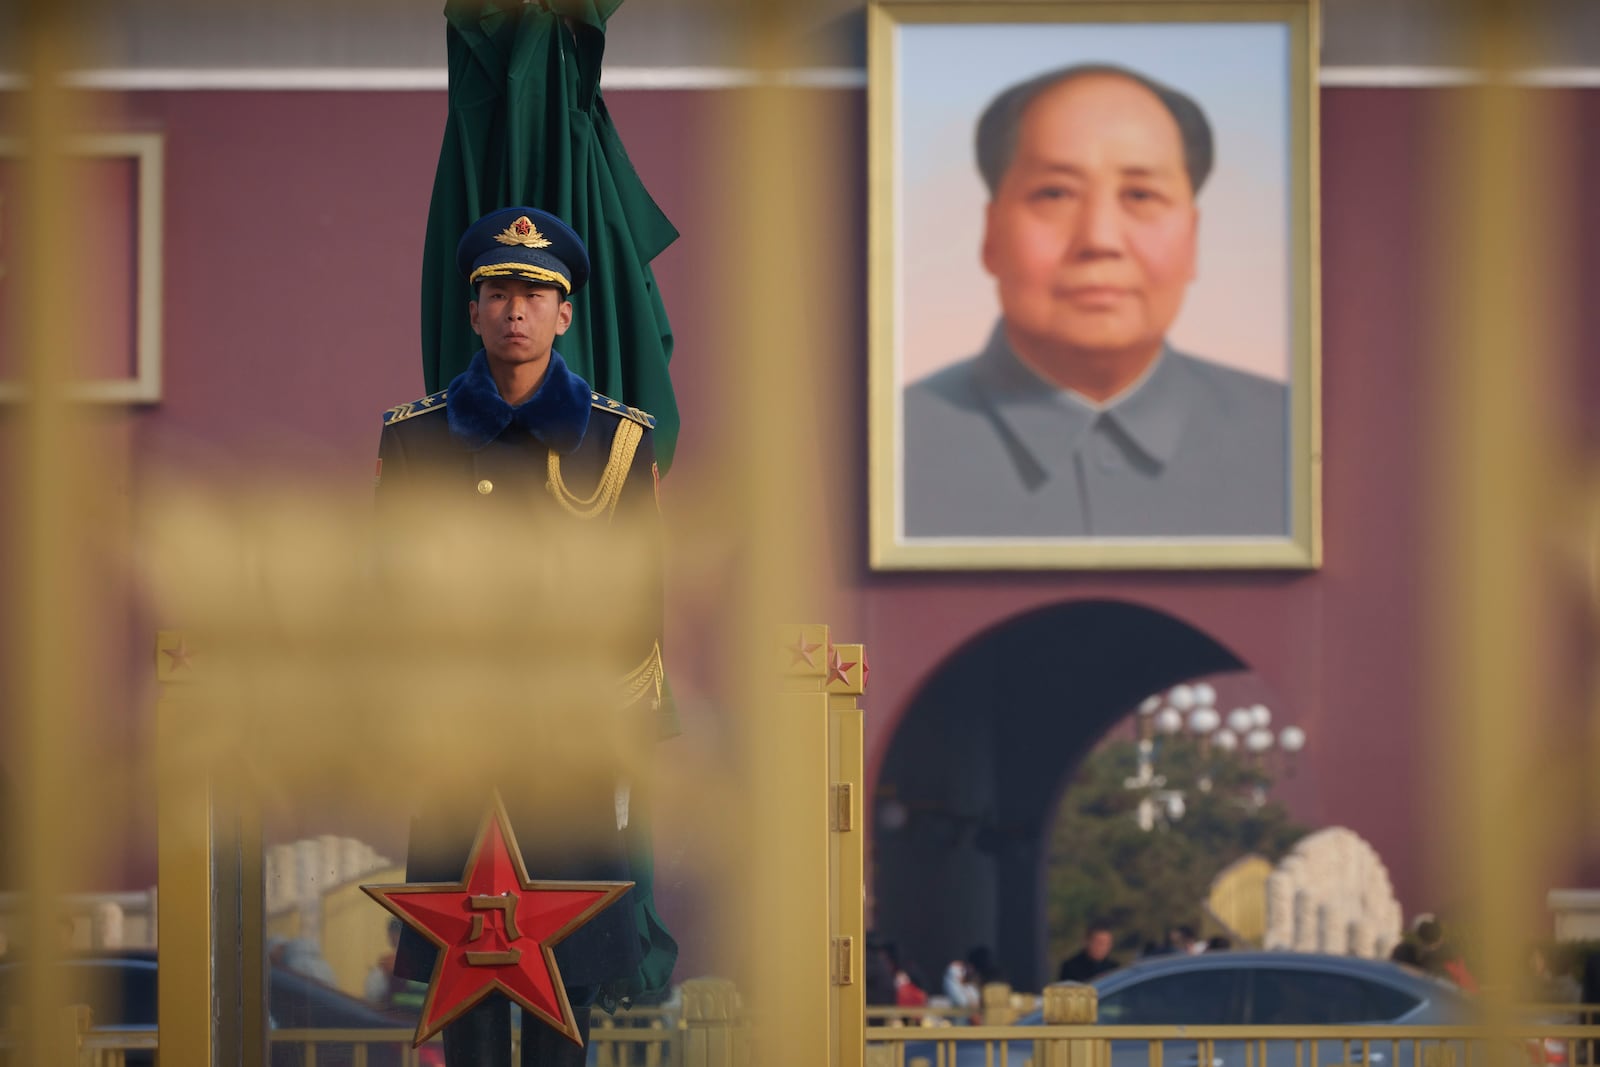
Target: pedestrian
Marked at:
1093, 959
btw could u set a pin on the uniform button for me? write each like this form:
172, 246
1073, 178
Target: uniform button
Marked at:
486, 487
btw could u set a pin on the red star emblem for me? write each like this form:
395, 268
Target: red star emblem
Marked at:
800, 652
496, 930
837, 671
178, 655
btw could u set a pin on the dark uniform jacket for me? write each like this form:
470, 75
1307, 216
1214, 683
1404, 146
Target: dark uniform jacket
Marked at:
466, 447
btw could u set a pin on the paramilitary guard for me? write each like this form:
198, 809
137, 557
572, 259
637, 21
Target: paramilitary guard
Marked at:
519, 433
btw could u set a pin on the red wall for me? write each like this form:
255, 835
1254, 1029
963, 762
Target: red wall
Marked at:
293, 230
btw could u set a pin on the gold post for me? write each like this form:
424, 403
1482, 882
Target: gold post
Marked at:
774, 214
1068, 1004
1495, 467
72, 1024
996, 1000
796, 804
47, 698
845, 681
210, 911
185, 861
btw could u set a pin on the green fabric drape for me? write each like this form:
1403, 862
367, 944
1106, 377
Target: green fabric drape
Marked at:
527, 125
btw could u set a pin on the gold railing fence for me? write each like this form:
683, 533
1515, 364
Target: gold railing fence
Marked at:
622, 1042
1555, 1013
110, 1048
937, 1037
1579, 1014
639, 1037
1001, 1006
924, 1016
1247, 1046
355, 1047
656, 1042
664, 1045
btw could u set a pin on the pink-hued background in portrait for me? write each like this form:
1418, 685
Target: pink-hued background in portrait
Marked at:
1237, 310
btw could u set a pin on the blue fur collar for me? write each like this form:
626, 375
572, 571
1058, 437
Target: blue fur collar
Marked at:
557, 413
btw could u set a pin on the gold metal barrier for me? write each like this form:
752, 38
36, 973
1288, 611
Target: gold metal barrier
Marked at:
713, 1035
1547, 1035
926, 1015
184, 868
110, 1048
207, 849
810, 798
639, 1037
211, 1001
1001, 1006
662, 1043
72, 1042
209, 893
711, 1031
1532, 1045
357, 1047
1077, 1005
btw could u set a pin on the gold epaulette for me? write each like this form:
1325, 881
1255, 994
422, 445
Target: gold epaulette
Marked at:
431, 402
617, 407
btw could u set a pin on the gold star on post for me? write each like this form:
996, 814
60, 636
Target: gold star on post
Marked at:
847, 670
838, 670
174, 657
800, 652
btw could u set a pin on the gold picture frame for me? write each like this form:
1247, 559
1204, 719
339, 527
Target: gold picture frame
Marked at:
1251, 65
145, 150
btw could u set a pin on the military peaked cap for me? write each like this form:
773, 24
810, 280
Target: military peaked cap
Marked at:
523, 242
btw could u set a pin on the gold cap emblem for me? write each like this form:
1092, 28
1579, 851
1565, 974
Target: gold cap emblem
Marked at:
523, 232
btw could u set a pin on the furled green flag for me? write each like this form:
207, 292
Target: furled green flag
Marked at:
527, 125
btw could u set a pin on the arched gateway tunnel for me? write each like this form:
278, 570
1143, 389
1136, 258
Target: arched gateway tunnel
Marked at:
976, 766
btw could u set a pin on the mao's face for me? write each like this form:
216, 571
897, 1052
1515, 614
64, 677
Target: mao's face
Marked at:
1091, 233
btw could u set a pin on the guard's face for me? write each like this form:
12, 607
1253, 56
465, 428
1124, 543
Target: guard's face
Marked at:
1091, 233
518, 320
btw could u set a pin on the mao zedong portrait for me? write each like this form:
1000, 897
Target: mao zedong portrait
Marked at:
1078, 418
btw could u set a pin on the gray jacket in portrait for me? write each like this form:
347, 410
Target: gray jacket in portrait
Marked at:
991, 450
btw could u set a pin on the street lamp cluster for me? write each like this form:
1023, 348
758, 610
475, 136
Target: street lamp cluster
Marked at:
1192, 709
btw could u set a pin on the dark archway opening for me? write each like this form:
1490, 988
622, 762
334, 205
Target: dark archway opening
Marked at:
973, 772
